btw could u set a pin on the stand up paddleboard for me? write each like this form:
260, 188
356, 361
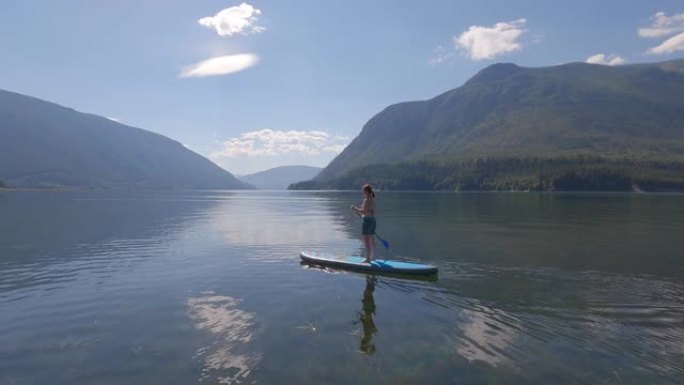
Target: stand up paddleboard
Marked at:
377, 265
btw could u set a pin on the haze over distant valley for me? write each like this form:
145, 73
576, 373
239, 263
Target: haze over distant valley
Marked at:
280, 178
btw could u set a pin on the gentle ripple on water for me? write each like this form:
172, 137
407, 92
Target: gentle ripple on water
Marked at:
208, 286
638, 319
230, 359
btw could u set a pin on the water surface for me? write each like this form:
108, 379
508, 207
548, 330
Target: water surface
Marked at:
154, 287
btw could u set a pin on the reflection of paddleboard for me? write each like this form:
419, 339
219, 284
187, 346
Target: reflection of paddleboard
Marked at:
378, 265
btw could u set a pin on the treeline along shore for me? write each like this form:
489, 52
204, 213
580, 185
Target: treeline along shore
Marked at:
533, 173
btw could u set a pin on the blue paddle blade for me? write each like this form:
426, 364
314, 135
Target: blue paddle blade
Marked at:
384, 242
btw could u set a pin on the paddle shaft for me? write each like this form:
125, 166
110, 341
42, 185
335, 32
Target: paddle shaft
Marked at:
384, 242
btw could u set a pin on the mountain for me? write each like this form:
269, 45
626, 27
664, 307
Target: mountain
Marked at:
507, 113
280, 178
46, 145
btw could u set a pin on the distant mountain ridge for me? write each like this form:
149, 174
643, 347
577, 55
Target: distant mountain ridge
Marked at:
43, 144
279, 178
574, 110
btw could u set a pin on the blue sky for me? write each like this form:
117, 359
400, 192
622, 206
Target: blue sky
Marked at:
257, 84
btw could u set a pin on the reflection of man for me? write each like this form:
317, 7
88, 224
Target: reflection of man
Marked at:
366, 317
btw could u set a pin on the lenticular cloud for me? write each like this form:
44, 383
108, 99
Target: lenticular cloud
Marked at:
222, 65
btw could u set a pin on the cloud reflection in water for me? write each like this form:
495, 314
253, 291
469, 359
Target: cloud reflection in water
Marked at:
485, 339
271, 223
229, 359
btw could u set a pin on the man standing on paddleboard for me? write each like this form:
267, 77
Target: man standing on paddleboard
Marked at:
367, 213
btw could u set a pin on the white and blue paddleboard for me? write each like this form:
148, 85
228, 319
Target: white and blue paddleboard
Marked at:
377, 265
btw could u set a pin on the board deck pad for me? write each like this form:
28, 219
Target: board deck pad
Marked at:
357, 263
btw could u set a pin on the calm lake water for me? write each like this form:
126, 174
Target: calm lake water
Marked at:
156, 287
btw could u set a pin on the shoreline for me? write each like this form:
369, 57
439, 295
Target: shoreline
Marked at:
627, 192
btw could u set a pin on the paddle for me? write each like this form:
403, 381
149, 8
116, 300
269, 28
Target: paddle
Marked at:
384, 242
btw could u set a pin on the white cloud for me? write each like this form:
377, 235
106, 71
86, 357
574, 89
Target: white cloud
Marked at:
440, 55
241, 19
673, 44
610, 60
662, 26
222, 65
335, 149
481, 43
269, 142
